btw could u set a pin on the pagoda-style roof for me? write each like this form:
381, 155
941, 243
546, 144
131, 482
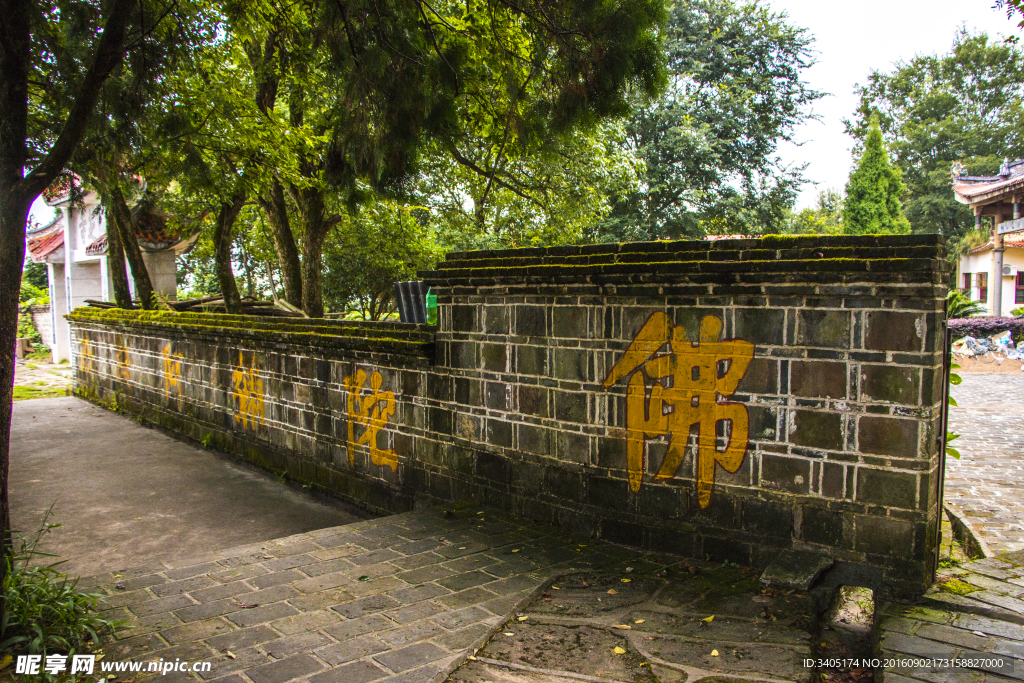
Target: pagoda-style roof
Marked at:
981, 190
45, 240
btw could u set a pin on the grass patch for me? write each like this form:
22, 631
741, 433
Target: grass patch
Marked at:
957, 586
23, 393
40, 353
44, 611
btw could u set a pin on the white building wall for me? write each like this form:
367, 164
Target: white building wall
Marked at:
162, 273
60, 348
984, 262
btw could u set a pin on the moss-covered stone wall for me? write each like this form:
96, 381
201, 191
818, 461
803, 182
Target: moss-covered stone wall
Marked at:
726, 399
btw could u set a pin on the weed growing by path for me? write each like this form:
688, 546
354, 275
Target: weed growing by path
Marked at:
44, 611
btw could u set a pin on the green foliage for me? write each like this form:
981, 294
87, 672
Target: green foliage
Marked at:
825, 219
709, 144
959, 305
1017, 311
874, 191
43, 610
549, 196
954, 380
382, 244
36, 275
961, 107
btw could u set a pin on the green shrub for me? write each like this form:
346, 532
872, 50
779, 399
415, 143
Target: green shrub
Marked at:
958, 305
44, 612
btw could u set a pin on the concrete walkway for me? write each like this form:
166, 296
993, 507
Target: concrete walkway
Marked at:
987, 483
128, 496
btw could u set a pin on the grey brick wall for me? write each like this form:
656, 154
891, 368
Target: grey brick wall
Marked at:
505, 401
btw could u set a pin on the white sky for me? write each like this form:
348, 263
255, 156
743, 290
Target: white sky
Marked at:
851, 40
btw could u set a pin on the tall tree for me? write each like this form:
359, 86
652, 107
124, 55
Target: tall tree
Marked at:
356, 91
709, 144
965, 106
54, 61
874, 192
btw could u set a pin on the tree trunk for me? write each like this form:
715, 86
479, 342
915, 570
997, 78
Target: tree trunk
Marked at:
13, 216
115, 259
276, 209
130, 242
316, 226
222, 253
17, 191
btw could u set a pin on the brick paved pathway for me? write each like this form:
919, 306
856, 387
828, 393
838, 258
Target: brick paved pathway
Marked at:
974, 614
987, 484
402, 598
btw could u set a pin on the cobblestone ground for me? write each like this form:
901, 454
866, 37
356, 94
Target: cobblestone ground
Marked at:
966, 629
412, 598
987, 483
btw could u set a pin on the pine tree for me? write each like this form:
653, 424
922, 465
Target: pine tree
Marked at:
874, 191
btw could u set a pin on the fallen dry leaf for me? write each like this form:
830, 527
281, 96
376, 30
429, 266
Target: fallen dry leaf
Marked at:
230, 654
517, 550
612, 591
623, 627
618, 650
625, 580
714, 653
639, 621
509, 633
709, 619
522, 618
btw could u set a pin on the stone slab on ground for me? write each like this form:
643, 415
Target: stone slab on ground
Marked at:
411, 597
126, 495
969, 627
664, 620
987, 484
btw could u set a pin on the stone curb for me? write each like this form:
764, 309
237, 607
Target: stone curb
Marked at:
965, 533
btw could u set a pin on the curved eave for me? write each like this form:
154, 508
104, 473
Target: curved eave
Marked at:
978, 194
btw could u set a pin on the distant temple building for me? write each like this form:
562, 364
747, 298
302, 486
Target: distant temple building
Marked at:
74, 248
993, 273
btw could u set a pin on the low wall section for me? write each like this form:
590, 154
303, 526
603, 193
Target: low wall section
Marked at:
724, 399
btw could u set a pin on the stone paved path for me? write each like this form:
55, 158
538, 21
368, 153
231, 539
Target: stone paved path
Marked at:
399, 598
987, 483
412, 597
973, 613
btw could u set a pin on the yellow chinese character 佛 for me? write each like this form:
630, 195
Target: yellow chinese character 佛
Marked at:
688, 380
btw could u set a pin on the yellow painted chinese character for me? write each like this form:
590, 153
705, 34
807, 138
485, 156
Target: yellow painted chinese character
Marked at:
124, 362
248, 391
86, 355
688, 381
172, 370
371, 412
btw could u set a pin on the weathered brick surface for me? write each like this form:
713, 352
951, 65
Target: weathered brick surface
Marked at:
504, 402
403, 626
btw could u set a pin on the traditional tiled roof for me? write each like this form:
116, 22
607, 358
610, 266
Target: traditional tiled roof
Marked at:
979, 189
153, 235
1013, 240
41, 228
98, 247
46, 240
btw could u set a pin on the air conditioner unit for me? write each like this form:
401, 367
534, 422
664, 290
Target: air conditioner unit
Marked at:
1009, 270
